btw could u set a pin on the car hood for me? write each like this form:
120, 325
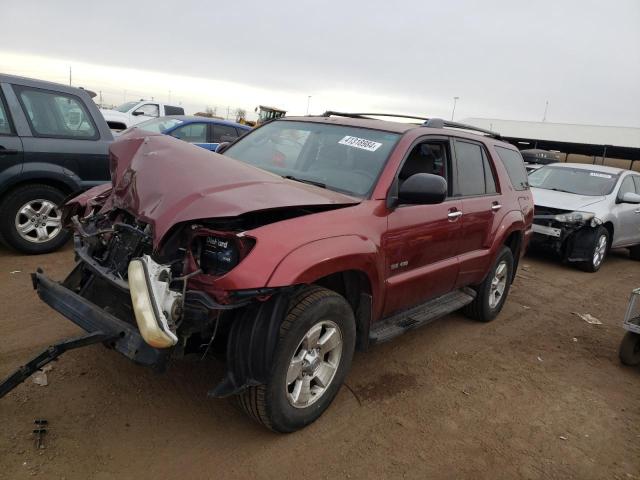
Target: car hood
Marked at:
164, 181
563, 200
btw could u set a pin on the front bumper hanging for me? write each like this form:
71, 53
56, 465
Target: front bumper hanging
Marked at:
101, 327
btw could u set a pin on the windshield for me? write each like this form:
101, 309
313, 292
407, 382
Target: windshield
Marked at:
159, 125
345, 159
125, 107
573, 180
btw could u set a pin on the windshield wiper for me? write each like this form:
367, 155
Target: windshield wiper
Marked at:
304, 180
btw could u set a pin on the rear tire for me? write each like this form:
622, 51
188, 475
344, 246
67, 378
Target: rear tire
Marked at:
598, 250
305, 376
630, 349
493, 291
30, 219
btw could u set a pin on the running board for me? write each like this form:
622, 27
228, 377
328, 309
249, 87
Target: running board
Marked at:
421, 315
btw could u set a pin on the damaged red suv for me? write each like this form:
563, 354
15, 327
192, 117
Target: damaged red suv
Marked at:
308, 238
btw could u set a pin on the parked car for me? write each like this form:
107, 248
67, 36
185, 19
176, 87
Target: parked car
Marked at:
285, 260
204, 132
584, 210
132, 113
53, 142
532, 167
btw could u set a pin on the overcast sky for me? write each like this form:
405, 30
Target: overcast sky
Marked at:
503, 58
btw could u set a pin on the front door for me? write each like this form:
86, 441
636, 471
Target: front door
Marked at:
628, 231
421, 242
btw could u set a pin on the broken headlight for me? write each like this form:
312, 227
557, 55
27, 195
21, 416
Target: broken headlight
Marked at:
574, 217
219, 254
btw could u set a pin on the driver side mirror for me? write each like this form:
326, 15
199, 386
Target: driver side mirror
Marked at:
222, 146
423, 189
137, 113
630, 197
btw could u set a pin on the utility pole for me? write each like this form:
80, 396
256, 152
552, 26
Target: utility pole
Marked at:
455, 100
546, 107
308, 102
69, 75
101, 105
227, 113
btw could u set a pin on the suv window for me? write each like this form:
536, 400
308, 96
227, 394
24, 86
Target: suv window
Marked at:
5, 126
473, 170
627, 186
426, 157
55, 114
223, 133
192, 133
514, 165
149, 110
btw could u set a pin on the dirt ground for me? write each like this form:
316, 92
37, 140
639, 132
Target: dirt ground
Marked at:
538, 393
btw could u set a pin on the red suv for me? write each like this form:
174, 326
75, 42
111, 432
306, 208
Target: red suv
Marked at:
310, 237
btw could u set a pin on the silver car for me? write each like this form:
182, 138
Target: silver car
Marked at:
581, 211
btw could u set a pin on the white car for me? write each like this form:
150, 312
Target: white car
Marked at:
581, 211
132, 113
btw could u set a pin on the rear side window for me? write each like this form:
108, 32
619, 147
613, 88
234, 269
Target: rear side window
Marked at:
473, 170
5, 126
514, 165
223, 133
168, 110
56, 114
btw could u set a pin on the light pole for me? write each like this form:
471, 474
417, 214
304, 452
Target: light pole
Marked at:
308, 102
455, 100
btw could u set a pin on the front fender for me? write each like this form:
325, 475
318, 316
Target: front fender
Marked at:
320, 258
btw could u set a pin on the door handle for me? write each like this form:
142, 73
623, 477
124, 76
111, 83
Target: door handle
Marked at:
495, 206
7, 151
453, 215
636, 211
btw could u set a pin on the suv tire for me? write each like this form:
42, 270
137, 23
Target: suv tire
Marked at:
25, 206
317, 317
630, 349
493, 291
634, 252
598, 251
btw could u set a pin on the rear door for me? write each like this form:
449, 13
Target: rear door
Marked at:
421, 242
476, 187
10, 143
63, 135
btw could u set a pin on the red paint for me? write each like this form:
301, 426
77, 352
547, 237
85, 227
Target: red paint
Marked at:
164, 181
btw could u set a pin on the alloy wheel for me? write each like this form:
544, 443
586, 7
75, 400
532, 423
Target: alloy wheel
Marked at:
38, 221
498, 284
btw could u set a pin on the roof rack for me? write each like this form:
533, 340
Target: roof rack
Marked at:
428, 122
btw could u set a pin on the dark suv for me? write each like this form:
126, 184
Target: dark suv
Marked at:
309, 237
53, 142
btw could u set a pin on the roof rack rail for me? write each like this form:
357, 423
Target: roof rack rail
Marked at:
428, 122
465, 126
331, 113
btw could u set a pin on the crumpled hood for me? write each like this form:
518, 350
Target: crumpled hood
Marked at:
563, 200
164, 181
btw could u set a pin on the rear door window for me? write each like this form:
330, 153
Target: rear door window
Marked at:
474, 174
56, 114
223, 133
514, 165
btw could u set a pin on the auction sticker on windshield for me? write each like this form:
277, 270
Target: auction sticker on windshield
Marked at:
361, 143
601, 175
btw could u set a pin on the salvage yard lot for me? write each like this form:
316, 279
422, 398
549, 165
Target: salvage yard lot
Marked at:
538, 393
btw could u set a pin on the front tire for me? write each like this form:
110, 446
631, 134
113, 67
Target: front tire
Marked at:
599, 249
312, 358
493, 291
30, 219
630, 349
